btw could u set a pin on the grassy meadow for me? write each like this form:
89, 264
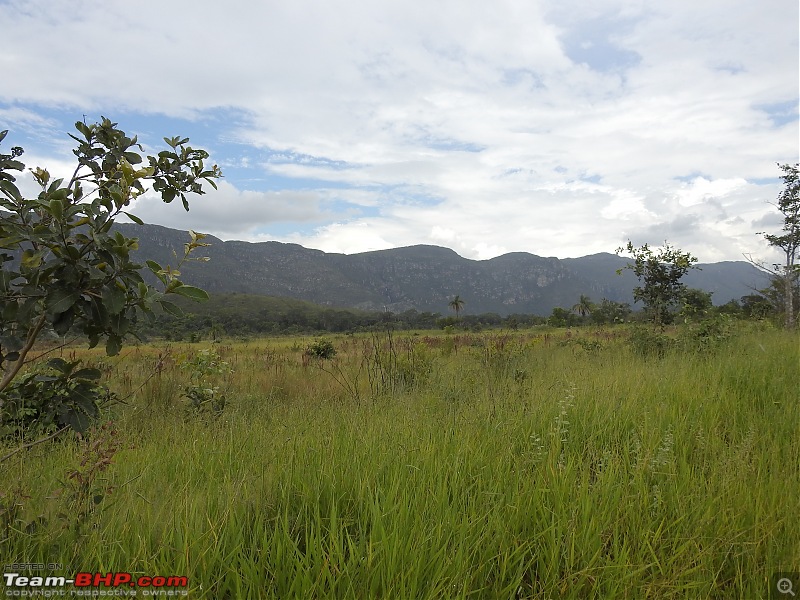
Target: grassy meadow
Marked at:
464, 465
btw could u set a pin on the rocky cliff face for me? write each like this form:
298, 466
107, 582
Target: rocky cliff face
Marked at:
422, 277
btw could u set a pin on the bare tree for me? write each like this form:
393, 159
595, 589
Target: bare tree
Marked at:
788, 241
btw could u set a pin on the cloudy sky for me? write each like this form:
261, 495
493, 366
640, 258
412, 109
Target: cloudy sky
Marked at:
557, 127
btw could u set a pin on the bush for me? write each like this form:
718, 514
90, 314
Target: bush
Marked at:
321, 348
55, 397
205, 368
707, 334
647, 342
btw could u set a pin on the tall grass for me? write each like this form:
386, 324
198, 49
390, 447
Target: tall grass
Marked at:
506, 467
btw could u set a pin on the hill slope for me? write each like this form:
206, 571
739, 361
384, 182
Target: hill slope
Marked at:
422, 277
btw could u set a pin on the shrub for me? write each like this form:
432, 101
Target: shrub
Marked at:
321, 348
647, 342
707, 334
205, 368
57, 396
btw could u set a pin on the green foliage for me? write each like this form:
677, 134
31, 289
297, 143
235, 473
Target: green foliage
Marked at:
456, 304
732, 308
589, 346
756, 306
205, 368
59, 396
63, 268
609, 311
659, 274
707, 334
561, 317
776, 302
447, 323
648, 342
321, 348
696, 303
583, 307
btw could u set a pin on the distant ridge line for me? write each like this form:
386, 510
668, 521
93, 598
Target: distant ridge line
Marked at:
422, 277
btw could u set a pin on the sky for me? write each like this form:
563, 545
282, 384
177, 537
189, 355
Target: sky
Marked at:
555, 127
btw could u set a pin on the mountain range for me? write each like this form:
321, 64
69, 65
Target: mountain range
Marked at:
425, 278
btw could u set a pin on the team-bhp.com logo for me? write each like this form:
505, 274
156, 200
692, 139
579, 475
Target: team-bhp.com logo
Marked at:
94, 584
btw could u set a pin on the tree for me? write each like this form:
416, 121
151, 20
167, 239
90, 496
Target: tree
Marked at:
696, 303
64, 269
732, 308
456, 304
561, 317
788, 241
756, 306
609, 311
775, 297
660, 274
583, 307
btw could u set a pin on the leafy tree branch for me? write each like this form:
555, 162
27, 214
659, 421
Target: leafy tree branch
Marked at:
63, 268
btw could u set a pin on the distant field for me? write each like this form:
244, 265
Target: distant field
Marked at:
525, 464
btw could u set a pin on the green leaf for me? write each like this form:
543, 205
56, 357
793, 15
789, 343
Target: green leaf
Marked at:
77, 420
114, 298
84, 129
133, 218
56, 208
63, 322
87, 373
11, 242
60, 300
5, 280
11, 190
31, 259
171, 308
59, 364
191, 292
15, 165
116, 194
120, 324
11, 342
56, 190
113, 345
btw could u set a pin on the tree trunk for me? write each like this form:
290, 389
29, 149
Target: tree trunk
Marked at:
788, 281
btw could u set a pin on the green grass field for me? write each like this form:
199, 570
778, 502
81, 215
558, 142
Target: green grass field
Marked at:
491, 465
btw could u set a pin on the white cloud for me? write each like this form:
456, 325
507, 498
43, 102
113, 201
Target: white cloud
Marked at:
701, 190
462, 124
230, 211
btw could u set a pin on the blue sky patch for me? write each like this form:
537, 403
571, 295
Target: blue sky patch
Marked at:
595, 43
692, 176
781, 113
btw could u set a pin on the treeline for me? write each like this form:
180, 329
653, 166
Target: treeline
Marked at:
242, 315
695, 305
237, 315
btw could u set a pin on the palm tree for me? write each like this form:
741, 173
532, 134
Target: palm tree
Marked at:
583, 307
456, 304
